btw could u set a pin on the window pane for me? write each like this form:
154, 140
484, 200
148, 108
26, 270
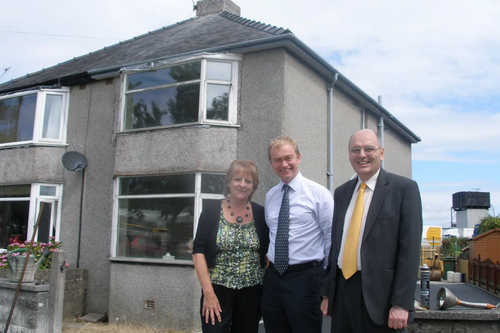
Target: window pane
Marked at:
218, 70
154, 228
171, 184
44, 224
15, 191
217, 102
17, 118
207, 201
48, 190
52, 116
13, 222
213, 184
162, 107
170, 75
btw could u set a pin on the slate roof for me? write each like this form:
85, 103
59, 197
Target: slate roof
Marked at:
194, 34
223, 32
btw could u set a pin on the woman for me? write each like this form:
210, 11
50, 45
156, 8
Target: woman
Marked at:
229, 254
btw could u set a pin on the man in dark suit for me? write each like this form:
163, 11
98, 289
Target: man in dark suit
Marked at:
370, 281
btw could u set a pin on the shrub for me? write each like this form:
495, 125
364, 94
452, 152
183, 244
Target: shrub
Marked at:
37, 249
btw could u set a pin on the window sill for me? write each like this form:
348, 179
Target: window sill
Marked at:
162, 128
146, 261
28, 145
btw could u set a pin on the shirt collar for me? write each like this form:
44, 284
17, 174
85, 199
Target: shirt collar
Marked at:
370, 183
294, 183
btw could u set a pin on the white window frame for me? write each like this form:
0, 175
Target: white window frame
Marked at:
233, 59
35, 199
39, 117
198, 201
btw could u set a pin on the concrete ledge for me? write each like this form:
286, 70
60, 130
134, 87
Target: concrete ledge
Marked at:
5, 283
460, 314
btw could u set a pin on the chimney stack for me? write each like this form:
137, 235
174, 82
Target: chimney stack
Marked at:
207, 7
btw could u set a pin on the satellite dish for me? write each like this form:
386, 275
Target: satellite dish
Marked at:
74, 161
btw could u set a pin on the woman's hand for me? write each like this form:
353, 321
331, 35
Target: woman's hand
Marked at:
211, 308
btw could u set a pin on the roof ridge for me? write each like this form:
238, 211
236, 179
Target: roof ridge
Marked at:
255, 24
105, 48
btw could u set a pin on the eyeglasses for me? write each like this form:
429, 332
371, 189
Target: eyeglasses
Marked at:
368, 150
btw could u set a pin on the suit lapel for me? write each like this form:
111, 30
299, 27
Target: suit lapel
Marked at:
381, 191
343, 204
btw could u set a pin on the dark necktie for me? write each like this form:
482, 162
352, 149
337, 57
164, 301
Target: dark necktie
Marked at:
281, 246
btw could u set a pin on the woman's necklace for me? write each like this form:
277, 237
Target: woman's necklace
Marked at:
239, 219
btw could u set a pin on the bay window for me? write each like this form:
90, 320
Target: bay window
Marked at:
202, 91
157, 215
19, 209
34, 117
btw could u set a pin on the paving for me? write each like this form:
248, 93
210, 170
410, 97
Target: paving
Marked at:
463, 291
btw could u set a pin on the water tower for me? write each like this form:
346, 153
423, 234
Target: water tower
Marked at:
470, 208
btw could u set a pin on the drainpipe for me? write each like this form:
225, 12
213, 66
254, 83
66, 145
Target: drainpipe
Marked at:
329, 172
381, 130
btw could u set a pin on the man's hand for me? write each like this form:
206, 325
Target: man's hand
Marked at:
398, 318
324, 306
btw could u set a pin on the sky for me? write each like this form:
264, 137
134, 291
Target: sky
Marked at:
436, 65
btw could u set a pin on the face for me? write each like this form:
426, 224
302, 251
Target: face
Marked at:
285, 162
241, 186
365, 164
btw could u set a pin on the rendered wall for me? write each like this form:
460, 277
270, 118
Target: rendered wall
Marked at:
261, 111
175, 291
92, 127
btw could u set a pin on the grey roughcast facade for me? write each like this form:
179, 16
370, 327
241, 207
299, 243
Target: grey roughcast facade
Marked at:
159, 119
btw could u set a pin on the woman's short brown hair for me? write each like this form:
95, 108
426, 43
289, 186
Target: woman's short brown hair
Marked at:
243, 166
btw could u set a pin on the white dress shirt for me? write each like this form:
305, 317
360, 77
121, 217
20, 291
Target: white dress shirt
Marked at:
311, 214
367, 199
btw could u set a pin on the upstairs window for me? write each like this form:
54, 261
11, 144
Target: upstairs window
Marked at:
203, 91
34, 117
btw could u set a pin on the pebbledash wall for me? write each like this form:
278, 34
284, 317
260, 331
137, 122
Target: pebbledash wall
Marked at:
277, 94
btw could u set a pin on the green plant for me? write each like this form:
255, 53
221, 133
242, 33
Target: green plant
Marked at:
36, 250
489, 222
453, 246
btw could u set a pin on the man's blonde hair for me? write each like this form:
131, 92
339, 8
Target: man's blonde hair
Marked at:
281, 141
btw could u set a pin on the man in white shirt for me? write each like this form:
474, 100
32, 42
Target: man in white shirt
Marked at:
292, 284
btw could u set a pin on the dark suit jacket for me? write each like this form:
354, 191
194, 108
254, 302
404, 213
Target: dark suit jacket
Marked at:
390, 249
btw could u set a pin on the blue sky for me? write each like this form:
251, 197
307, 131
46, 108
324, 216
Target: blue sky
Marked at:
436, 65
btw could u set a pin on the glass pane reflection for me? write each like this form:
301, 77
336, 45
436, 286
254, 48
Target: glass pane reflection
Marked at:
217, 102
13, 222
17, 118
169, 75
170, 184
163, 107
213, 184
156, 228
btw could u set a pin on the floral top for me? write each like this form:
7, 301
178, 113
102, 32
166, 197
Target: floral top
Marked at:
237, 262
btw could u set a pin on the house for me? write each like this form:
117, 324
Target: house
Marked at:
158, 119
486, 245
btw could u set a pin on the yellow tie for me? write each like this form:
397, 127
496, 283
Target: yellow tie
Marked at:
351, 242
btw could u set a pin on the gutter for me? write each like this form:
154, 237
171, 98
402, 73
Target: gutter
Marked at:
329, 171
